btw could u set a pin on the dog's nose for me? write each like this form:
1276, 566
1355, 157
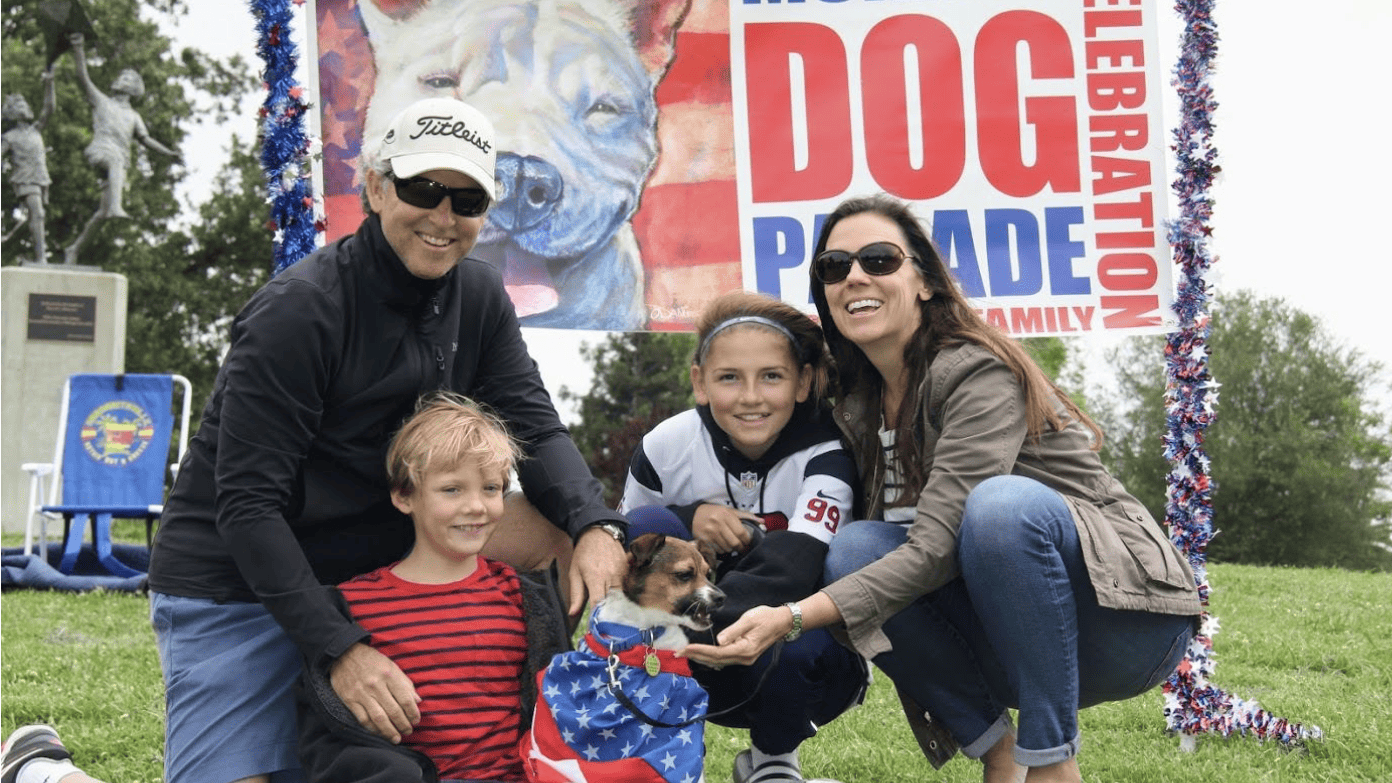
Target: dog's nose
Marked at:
717, 598
529, 189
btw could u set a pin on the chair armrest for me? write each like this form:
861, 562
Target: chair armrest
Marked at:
37, 468
38, 472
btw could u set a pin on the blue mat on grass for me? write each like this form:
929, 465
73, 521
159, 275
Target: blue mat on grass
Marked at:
32, 572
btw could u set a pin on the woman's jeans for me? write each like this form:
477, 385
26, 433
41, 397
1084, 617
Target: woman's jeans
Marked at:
815, 681
1021, 626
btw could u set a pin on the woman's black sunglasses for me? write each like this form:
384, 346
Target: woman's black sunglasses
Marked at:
427, 194
876, 258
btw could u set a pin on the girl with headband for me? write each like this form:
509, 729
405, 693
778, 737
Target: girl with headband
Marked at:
757, 469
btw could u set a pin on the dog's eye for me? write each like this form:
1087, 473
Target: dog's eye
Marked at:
441, 81
684, 576
602, 106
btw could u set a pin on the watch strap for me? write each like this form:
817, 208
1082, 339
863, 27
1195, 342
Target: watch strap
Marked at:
796, 609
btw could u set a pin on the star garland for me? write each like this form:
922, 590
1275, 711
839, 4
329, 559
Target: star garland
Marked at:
285, 146
1193, 705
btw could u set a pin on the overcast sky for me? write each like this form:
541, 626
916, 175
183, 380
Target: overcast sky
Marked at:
1303, 202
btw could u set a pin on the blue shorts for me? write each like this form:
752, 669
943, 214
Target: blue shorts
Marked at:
229, 676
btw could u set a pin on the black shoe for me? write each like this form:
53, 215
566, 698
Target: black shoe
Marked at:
35, 741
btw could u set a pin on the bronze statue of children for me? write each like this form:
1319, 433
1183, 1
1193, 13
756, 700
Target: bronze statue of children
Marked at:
114, 124
27, 166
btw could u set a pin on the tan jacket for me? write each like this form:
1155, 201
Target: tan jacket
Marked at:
973, 427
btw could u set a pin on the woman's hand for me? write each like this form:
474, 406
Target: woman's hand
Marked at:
723, 527
742, 643
759, 628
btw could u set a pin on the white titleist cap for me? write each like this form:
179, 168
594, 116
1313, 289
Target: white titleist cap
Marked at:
441, 133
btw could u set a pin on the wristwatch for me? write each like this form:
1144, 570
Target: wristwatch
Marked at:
796, 609
613, 530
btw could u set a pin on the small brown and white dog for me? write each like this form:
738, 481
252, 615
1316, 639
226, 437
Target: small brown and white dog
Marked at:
668, 585
622, 706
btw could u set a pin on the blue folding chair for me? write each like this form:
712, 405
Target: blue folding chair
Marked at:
113, 442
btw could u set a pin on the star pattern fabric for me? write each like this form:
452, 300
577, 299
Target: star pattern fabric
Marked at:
581, 733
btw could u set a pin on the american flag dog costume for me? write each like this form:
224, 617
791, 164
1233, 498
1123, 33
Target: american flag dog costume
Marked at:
582, 732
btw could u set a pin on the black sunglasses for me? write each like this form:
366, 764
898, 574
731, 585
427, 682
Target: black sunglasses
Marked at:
427, 194
876, 258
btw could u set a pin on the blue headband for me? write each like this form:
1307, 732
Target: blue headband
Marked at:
744, 319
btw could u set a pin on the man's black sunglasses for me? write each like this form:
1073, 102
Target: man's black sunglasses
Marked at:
876, 258
427, 194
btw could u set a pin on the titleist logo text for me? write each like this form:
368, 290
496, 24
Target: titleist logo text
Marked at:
448, 126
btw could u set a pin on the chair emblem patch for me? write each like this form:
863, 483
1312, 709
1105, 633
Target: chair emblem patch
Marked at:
117, 433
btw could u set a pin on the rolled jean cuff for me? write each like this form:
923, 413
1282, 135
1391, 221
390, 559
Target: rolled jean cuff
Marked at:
978, 747
1043, 758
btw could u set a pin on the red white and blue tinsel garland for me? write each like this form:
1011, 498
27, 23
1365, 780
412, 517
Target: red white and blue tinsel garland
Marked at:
285, 146
1193, 705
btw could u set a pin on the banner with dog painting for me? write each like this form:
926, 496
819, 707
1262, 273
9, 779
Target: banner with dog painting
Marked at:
657, 153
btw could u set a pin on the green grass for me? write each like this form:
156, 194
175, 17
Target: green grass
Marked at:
1310, 645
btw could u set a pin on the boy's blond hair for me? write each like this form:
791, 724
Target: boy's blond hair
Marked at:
446, 430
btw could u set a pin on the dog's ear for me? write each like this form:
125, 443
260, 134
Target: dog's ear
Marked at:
643, 549
655, 24
707, 551
641, 553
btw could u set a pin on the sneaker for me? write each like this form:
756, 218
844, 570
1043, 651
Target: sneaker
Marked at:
35, 741
770, 772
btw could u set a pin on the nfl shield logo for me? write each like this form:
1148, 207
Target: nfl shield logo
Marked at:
749, 480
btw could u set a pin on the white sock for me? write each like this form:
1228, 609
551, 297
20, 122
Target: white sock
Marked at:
759, 758
45, 771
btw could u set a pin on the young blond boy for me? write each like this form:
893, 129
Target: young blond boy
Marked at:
467, 633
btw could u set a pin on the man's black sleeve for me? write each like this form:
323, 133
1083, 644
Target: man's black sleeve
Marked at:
554, 476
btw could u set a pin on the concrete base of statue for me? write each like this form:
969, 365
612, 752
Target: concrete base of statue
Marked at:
58, 320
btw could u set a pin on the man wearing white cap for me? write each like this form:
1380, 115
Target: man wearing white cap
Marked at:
284, 489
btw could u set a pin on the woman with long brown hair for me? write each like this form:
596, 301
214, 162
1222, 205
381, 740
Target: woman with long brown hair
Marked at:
1000, 564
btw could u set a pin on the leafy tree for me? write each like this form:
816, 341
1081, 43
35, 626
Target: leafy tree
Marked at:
207, 272
640, 378
1299, 450
1050, 353
184, 284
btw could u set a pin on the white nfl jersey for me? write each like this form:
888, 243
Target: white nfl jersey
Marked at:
807, 491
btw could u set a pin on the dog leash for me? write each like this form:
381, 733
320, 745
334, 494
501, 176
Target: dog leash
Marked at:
616, 689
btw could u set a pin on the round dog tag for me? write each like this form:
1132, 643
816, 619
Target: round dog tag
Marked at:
651, 664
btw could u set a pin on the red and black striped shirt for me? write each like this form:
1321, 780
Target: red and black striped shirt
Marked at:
464, 646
